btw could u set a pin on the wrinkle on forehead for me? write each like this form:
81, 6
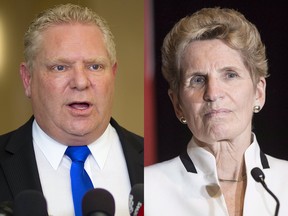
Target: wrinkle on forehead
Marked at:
210, 55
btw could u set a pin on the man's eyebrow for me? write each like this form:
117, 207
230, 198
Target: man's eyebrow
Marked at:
97, 60
86, 61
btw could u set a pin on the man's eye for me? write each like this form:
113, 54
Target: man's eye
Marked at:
59, 68
95, 67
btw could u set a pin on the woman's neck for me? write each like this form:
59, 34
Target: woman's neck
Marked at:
229, 156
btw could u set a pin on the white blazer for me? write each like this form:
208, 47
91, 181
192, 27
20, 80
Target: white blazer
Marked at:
188, 185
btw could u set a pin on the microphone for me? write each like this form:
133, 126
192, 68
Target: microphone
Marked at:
6, 208
136, 200
30, 203
98, 202
259, 176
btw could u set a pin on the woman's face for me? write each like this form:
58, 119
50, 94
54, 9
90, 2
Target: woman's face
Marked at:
216, 94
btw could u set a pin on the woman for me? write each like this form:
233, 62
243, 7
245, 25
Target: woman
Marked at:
215, 64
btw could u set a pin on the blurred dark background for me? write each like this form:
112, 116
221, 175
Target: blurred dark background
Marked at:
271, 19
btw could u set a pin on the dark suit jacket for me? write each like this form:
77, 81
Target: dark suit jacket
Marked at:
18, 168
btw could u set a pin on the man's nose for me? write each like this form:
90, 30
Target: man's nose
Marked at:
80, 79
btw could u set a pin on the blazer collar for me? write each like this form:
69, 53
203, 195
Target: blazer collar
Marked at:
253, 149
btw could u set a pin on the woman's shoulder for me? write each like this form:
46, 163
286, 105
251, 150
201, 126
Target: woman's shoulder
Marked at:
277, 163
162, 166
277, 170
163, 170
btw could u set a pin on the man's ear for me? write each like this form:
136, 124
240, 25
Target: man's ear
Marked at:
176, 104
115, 68
26, 77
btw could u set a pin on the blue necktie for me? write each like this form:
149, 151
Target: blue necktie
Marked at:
80, 181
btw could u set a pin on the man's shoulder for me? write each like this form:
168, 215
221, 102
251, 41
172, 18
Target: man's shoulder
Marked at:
4, 138
125, 134
16, 135
133, 149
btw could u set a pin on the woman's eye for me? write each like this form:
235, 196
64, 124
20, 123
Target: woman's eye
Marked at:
231, 75
197, 80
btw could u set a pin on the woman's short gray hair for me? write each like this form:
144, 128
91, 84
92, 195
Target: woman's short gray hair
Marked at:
62, 14
225, 24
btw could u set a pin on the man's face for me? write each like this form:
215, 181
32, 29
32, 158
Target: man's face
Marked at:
72, 83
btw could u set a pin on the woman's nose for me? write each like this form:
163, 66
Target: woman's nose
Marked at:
213, 90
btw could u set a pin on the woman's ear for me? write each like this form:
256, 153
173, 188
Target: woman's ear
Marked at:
176, 104
261, 92
26, 78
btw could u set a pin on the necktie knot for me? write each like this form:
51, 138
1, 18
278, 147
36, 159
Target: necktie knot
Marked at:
77, 153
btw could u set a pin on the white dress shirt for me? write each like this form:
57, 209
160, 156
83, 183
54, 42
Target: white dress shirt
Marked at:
188, 185
106, 167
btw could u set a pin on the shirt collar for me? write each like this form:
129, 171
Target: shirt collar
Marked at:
55, 151
199, 160
100, 148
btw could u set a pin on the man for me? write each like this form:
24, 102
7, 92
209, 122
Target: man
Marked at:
69, 74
